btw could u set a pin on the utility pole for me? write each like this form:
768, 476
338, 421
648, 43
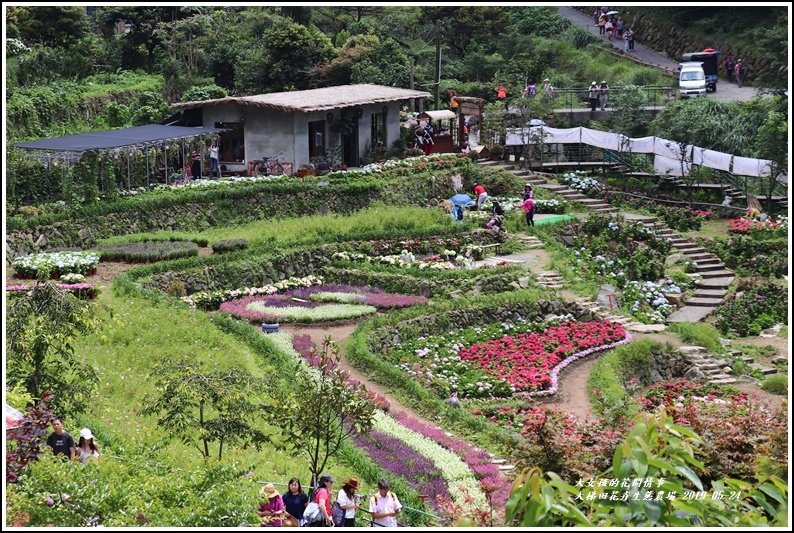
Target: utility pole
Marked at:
438, 65
411, 84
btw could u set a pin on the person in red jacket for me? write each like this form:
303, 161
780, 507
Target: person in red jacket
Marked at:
501, 94
481, 194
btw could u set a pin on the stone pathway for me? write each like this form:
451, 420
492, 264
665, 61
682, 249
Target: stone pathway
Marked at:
705, 366
715, 277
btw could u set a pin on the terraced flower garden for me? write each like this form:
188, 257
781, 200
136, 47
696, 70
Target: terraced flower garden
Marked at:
460, 374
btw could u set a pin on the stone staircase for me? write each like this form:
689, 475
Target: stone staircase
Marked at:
550, 279
569, 194
715, 278
530, 241
707, 367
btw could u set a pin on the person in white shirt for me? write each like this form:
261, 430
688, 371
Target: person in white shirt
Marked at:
348, 501
384, 505
214, 163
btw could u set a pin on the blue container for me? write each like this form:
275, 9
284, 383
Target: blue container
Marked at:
270, 328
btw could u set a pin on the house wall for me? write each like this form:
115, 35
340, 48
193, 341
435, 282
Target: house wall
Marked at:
270, 133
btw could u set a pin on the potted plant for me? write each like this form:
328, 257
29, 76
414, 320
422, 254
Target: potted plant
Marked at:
497, 151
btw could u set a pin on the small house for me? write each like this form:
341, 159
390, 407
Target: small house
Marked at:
333, 124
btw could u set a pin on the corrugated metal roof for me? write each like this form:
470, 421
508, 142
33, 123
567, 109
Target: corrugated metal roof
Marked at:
315, 99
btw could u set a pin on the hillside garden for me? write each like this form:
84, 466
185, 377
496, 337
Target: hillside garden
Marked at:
226, 334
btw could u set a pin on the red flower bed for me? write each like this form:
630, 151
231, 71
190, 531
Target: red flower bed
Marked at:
743, 225
526, 361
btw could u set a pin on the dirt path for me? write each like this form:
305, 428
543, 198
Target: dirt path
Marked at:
340, 335
571, 397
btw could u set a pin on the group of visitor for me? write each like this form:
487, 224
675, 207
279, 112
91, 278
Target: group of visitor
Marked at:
598, 95
193, 170
613, 27
734, 69
296, 508
497, 211
62, 443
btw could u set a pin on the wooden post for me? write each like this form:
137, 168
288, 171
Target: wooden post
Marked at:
438, 66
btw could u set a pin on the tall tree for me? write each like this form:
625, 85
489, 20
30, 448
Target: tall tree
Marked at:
321, 411
42, 325
51, 26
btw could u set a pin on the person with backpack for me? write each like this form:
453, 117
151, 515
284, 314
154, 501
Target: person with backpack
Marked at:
322, 497
738, 72
344, 509
592, 96
384, 506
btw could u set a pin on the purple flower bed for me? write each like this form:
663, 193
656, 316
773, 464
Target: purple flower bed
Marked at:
239, 306
478, 460
393, 455
372, 295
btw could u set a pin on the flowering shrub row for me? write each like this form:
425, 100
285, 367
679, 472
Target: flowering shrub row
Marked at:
456, 473
84, 291
281, 308
479, 461
531, 361
646, 301
357, 294
57, 263
408, 260
211, 300
745, 226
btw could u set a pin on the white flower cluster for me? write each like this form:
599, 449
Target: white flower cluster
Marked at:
73, 278
225, 295
611, 268
652, 294
15, 47
405, 260
579, 181
57, 262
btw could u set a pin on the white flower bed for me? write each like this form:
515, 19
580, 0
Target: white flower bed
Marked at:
404, 260
314, 314
455, 471
579, 181
56, 263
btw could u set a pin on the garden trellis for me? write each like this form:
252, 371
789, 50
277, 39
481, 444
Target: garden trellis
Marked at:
115, 144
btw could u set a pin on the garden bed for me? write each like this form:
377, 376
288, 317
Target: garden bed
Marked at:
149, 251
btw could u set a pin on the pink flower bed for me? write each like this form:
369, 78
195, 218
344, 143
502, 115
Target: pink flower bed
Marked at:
81, 290
531, 361
743, 225
479, 461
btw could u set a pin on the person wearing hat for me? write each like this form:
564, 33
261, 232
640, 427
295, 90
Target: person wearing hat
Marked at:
347, 501
548, 90
273, 510
592, 96
603, 94
322, 497
384, 505
86, 447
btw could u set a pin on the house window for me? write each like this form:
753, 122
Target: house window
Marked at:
232, 142
378, 129
317, 139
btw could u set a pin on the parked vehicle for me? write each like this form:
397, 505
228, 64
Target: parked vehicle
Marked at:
711, 61
691, 79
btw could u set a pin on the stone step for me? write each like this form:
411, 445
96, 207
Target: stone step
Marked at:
721, 377
710, 293
708, 261
692, 349
687, 247
690, 313
591, 201
574, 197
537, 181
709, 267
716, 283
723, 381
647, 328
716, 274
710, 366
747, 358
497, 461
700, 257
766, 370
604, 209
556, 188
505, 468
704, 302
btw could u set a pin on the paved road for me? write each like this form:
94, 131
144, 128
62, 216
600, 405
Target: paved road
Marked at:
725, 91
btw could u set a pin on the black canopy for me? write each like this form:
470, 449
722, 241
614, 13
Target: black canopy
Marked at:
110, 139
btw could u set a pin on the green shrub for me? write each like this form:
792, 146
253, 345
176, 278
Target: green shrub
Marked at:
777, 384
148, 251
229, 245
753, 310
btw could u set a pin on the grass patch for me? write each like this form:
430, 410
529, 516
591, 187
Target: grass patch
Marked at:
783, 334
777, 384
137, 334
699, 334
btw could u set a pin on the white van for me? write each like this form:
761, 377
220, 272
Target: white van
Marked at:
691, 79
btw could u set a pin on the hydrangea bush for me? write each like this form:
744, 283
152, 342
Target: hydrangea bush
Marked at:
57, 263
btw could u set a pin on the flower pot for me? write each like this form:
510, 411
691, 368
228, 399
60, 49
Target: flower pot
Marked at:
270, 328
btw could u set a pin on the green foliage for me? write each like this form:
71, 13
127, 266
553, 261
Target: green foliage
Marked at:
131, 486
321, 411
43, 325
776, 384
698, 334
229, 245
207, 92
187, 395
144, 251
656, 449
750, 312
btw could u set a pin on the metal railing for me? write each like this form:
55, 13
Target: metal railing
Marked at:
576, 97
